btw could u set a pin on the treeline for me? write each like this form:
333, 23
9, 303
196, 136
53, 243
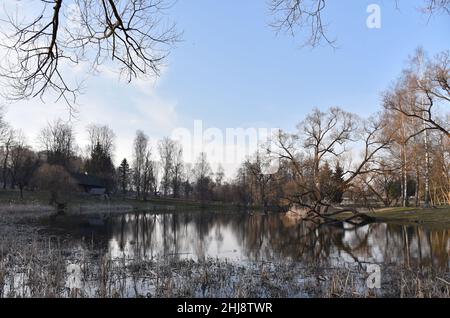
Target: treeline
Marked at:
398, 156
150, 173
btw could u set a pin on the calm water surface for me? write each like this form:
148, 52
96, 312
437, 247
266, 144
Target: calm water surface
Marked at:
259, 237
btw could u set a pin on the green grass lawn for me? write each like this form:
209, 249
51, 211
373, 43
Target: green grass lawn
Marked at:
434, 217
440, 215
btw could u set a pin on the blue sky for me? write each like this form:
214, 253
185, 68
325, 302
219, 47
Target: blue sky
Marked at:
232, 70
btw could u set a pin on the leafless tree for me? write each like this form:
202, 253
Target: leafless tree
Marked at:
177, 169
58, 142
8, 139
202, 173
149, 181
23, 163
417, 96
133, 34
326, 134
4, 127
167, 149
219, 175
140, 150
304, 190
257, 170
102, 136
381, 183
401, 127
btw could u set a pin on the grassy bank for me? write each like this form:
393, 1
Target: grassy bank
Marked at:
432, 216
36, 201
435, 217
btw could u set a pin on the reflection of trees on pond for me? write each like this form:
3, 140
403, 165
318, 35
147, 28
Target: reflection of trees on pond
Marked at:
268, 237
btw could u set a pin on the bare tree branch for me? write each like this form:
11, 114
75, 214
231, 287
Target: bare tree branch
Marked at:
39, 53
306, 17
424, 86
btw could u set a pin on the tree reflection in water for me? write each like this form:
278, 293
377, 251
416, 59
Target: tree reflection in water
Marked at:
261, 237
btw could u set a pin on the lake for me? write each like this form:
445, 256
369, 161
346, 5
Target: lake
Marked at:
242, 237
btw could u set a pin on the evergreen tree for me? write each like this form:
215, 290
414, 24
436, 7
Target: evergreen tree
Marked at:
326, 182
124, 175
100, 165
338, 184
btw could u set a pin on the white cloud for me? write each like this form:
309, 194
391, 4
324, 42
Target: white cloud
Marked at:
124, 107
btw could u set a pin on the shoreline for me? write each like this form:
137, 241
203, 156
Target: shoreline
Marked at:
34, 206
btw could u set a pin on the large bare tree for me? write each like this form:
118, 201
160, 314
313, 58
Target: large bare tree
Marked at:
39, 50
328, 135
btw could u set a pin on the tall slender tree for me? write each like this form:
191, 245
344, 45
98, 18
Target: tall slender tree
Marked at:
124, 175
140, 149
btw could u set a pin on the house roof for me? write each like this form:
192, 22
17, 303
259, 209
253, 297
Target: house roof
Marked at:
84, 179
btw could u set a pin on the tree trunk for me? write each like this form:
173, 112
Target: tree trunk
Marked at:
416, 195
427, 171
404, 178
5, 164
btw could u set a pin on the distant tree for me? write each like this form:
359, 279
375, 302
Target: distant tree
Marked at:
202, 173
100, 165
124, 175
219, 175
167, 149
8, 137
58, 142
177, 170
149, 179
3, 124
259, 178
140, 150
187, 188
56, 181
242, 187
24, 163
103, 136
187, 183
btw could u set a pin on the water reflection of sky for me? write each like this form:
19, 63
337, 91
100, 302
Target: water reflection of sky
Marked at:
272, 237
